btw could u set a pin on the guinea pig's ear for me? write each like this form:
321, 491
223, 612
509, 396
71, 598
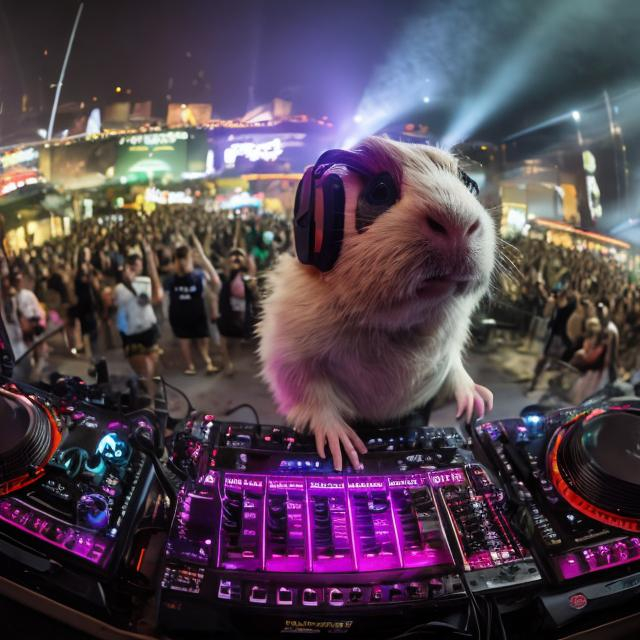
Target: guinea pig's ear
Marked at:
469, 182
380, 194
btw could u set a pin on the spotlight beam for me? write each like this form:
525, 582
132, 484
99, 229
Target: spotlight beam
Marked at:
534, 50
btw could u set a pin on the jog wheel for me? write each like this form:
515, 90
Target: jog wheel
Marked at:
28, 439
595, 465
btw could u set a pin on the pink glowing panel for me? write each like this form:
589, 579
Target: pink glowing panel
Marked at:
446, 477
241, 523
420, 536
78, 542
599, 557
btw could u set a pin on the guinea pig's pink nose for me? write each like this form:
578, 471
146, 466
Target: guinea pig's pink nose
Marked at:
452, 228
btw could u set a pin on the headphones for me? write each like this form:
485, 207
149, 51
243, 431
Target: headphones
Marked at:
379, 194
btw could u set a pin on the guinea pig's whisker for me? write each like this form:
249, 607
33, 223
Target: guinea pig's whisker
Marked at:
505, 260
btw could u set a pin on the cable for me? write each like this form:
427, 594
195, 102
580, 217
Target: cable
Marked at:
190, 407
475, 607
244, 405
503, 631
36, 343
435, 627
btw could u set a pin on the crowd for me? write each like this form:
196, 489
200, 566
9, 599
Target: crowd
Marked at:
179, 271
584, 306
126, 280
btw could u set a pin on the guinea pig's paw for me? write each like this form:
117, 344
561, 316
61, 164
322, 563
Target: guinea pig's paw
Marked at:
473, 398
338, 435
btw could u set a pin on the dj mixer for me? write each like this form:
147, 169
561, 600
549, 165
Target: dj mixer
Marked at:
263, 525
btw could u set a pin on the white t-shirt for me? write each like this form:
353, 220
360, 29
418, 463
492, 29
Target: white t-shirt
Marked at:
12, 326
134, 317
28, 304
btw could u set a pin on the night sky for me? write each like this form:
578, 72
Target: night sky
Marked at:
326, 55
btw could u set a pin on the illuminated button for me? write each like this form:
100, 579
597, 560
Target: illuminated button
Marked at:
227, 590
336, 597
310, 598
258, 595
356, 594
285, 596
414, 590
395, 593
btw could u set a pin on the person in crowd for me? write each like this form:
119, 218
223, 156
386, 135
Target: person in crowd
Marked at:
11, 318
592, 352
534, 296
86, 309
612, 338
187, 312
32, 319
237, 303
577, 323
560, 306
134, 299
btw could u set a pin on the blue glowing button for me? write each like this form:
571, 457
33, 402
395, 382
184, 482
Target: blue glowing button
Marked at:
93, 511
114, 449
95, 466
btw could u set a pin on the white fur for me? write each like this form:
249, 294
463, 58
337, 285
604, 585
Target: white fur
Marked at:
357, 342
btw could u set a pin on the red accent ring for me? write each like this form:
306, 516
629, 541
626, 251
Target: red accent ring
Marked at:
577, 501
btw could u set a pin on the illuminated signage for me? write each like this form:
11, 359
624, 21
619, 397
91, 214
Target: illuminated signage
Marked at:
154, 139
8, 187
167, 197
253, 151
19, 157
444, 478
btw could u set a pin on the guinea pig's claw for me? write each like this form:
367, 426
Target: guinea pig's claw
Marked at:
477, 399
338, 438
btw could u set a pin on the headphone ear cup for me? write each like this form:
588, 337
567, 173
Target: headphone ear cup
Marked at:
333, 197
303, 218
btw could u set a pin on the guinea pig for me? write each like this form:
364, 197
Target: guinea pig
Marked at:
383, 330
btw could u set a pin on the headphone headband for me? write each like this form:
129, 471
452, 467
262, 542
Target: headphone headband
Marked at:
331, 222
331, 157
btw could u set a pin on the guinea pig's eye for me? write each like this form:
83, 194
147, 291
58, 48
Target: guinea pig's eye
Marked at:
469, 182
380, 193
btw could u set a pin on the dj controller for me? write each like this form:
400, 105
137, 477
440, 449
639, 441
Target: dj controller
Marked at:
230, 528
72, 488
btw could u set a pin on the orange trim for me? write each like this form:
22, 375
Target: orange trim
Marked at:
579, 503
271, 176
562, 226
26, 478
140, 558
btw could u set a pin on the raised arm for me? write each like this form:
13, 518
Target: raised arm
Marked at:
214, 278
157, 292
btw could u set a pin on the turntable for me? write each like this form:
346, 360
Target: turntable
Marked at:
29, 437
573, 482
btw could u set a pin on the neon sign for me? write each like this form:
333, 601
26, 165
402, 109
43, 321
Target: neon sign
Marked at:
19, 157
268, 151
444, 478
154, 139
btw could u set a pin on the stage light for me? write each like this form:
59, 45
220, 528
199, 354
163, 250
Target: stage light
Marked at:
576, 116
426, 99
358, 118
533, 50
118, 89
